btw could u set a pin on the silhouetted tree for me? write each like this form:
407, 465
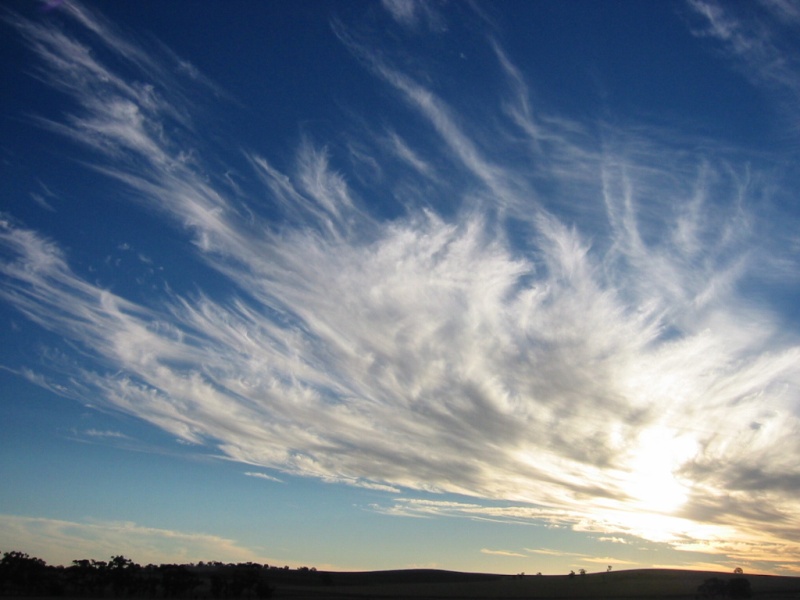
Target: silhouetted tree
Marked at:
123, 575
80, 577
22, 575
244, 577
150, 580
177, 580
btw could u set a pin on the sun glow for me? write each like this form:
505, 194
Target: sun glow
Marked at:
651, 481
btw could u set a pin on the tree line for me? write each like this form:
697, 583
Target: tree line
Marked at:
23, 575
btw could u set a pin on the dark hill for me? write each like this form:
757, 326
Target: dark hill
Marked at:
422, 584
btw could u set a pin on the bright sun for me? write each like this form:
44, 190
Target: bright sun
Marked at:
651, 480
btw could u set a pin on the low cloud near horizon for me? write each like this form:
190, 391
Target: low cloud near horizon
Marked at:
66, 541
580, 334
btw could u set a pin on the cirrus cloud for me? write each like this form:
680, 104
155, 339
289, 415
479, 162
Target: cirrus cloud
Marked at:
526, 347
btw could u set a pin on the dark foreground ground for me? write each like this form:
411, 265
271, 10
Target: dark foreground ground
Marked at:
435, 585
424, 585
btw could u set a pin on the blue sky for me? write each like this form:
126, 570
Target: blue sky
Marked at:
505, 287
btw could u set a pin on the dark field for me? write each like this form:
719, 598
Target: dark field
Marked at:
421, 584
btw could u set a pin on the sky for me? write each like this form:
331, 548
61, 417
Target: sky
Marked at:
483, 286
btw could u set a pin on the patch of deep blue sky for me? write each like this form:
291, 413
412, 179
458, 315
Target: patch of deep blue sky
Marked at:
281, 74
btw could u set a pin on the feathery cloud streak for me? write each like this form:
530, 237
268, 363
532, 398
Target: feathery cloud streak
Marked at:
761, 43
575, 337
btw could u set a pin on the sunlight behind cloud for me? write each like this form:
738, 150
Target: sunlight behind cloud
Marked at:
652, 480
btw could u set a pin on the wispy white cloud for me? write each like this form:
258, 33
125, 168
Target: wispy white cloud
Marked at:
409, 156
615, 540
497, 180
551, 552
414, 14
612, 562
263, 476
438, 353
45, 197
785, 11
503, 553
418, 507
761, 42
97, 433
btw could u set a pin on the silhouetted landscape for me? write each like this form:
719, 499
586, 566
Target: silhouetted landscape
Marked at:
24, 576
